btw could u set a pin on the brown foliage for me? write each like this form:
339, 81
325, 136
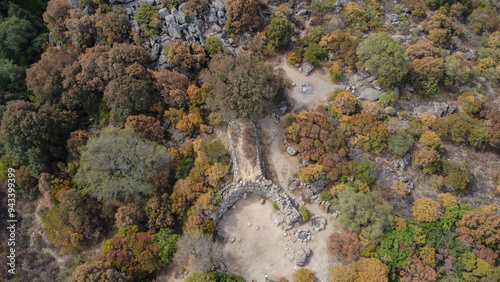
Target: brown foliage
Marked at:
134, 253
173, 86
374, 109
81, 30
341, 273
76, 139
158, 211
317, 140
428, 67
447, 200
44, 78
127, 54
426, 210
343, 46
439, 36
346, 244
486, 254
112, 28
420, 50
346, 102
370, 269
483, 225
242, 15
400, 188
150, 127
418, 271
425, 157
55, 15
96, 272
186, 56
185, 193
128, 215
370, 133
92, 71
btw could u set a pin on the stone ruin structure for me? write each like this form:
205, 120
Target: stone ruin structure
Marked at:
248, 173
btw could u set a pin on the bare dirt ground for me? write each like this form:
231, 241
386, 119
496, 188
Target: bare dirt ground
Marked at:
255, 253
321, 87
280, 167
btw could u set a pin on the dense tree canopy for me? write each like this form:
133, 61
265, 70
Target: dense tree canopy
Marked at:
240, 87
279, 33
364, 210
382, 55
119, 165
34, 136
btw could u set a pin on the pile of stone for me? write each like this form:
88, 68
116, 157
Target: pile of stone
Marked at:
317, 222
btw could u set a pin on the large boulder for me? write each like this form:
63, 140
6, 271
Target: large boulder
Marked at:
369, 94
307, 67
291, 150
301, 258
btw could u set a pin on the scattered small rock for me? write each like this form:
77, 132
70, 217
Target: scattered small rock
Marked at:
291, 150
249, 224
257, 228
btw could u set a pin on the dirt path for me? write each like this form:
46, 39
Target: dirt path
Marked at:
263, 248
37, 229
321, 87
280, 165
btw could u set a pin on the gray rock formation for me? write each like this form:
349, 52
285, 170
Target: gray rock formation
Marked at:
369, 94
307, 67
291, 150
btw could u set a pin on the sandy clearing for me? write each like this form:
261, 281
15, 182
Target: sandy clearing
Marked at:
255, 253
322, 87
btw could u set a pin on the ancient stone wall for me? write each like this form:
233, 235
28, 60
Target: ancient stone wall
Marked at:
255, 181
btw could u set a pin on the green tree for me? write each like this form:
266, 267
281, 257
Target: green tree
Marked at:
455, 70
458, 175
364, 210
167, 240
127, 96
11, 81
34, 136
384, 56
119, 165
21, 35
400, 142
365, 171
240, 87
213, 46
279, 33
